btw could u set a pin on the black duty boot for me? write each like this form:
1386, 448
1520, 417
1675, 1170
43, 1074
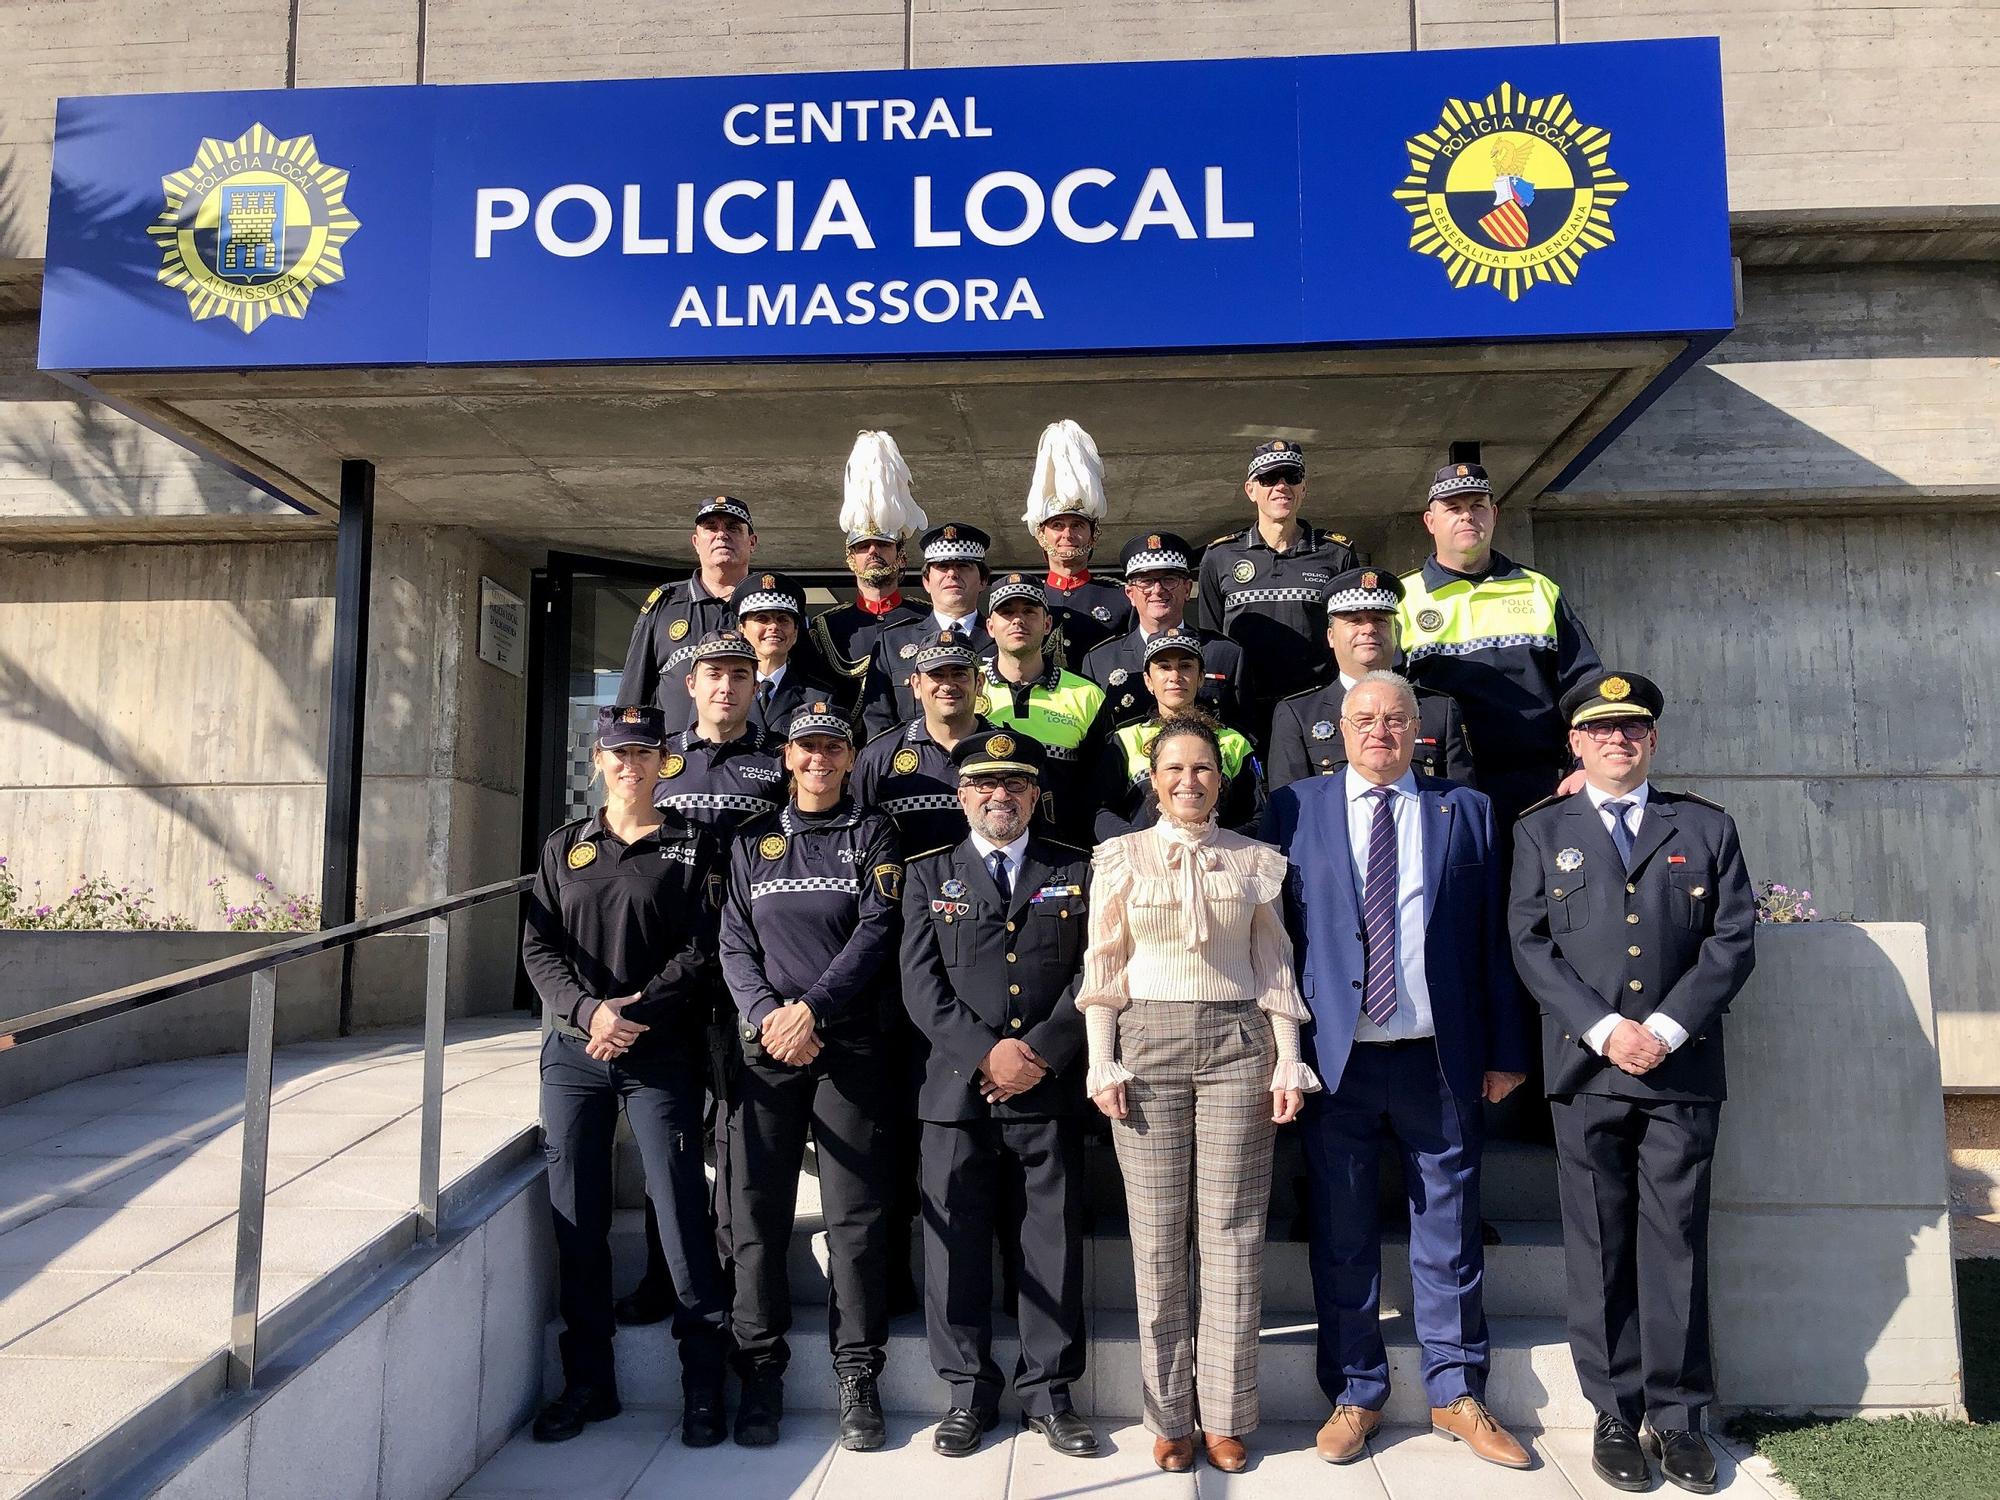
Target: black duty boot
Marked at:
564, 1417
760, 1410
1615, 1455
861, 1426
702, 1424
1684, 1458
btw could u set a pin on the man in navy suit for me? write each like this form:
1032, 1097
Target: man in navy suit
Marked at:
1396, 906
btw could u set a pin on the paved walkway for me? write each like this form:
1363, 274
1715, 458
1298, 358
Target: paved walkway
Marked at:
636, 1456
118, 1210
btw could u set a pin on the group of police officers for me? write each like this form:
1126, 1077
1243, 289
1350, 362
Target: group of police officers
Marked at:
736, 935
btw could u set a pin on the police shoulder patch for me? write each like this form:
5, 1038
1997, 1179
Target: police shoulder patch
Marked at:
582, 855
652, 599
772, 845
1344, 539
1244, 571
677, 630
905, 762
889, 881
671, 767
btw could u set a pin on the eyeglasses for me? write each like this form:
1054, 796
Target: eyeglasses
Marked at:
1634, 730
1272, 477
985, 786
1155, 583
1392, 723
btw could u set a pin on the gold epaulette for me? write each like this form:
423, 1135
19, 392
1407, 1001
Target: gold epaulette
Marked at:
652, 599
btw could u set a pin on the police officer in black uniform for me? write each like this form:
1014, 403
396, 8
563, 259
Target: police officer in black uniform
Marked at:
771, 613
1633, 917
954, 576
1159, 577
1361, 632
994, 934
1265, 586
619, 942
676, 615
845, 636
717, 772
812, 918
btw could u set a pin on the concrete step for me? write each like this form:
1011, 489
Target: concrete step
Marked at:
1532, 1381
1524, 1272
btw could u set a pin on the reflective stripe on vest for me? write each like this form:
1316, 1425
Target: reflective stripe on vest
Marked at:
1463, 617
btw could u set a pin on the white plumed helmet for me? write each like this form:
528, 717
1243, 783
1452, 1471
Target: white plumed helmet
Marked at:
1069, 476
876, 504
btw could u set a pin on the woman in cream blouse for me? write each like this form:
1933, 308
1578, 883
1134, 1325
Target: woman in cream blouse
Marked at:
1193, 1013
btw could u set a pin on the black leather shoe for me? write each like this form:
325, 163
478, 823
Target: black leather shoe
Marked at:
702, 1425
1684, 1458
565, 1417
959, 1433
645, 1303
760, 1411
861, 1426
1066, 1432
1615, 1455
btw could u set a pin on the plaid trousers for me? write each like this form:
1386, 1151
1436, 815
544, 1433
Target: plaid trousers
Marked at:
1195, 1150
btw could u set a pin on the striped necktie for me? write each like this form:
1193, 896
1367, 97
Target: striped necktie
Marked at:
1378, 912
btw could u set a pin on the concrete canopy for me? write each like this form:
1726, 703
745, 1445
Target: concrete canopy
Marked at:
611, 459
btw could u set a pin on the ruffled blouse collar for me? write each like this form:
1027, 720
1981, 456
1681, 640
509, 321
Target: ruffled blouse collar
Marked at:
1190, 852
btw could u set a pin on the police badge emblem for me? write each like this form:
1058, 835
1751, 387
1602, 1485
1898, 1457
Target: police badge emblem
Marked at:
678, 630
1000, 745
672, 767
1244, 571
889, 882
582, 855
772, 845
1126, 701
905, 762
908, 651
1100, 614
1617, 689
1323, 729
1429, 619
1569, 859
1118, 676
952, 889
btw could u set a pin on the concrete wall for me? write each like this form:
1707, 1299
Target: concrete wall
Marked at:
164, 715
1830, 1257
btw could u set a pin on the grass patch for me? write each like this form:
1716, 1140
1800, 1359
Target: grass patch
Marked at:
1919, 1457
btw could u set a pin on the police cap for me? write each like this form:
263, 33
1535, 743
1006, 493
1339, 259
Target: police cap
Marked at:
1279, 453
724, 505
723, 645
955, 542
999, 752
1015, 586
1459, 479
768, 592
1612, 695
819, 717
1176, 639
1364, 591
950, 649
631, 724
1157, 552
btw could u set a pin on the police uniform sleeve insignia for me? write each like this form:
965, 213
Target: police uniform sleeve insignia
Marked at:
908, 650
671, 767
677, 630
1323, 729
1244, 571
1118, 676
905, 762
582, 855
771, 846
1429, 619
889, 882
652, 599
715, 888
1569, 859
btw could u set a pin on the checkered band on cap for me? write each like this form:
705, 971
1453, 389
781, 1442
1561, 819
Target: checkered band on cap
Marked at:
1015, 586
1279, 454
1362, 602
770, 599
1459, 479
949, 650
819, 718
1174, 640
723, 505
722, 644
1159, 560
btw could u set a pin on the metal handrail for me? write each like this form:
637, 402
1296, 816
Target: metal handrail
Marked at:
261, 965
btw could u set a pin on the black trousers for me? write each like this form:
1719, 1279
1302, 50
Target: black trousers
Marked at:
1022, 1180
842, 1097
1634, 1176
661, 1092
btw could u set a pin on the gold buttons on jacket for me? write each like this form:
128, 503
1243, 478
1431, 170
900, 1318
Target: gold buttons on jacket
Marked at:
1010, 926
1015, 1023
1635, 986
1557, 891
1013, 989
1010, 958
1698, 891
1630, 916
1633, 950
1631, 889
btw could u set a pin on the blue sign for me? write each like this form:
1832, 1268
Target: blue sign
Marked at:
1510, 193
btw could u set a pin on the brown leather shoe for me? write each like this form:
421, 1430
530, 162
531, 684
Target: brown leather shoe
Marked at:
1175, 1455
1471, 1424
1343, 1437
1226, 1453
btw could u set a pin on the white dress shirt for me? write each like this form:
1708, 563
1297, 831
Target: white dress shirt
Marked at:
1413, 992
1347, 683
1014, 852
964, 624
776, 678
1670, 1032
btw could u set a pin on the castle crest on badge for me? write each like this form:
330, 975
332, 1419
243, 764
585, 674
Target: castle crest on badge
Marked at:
252, 227
1510, 191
